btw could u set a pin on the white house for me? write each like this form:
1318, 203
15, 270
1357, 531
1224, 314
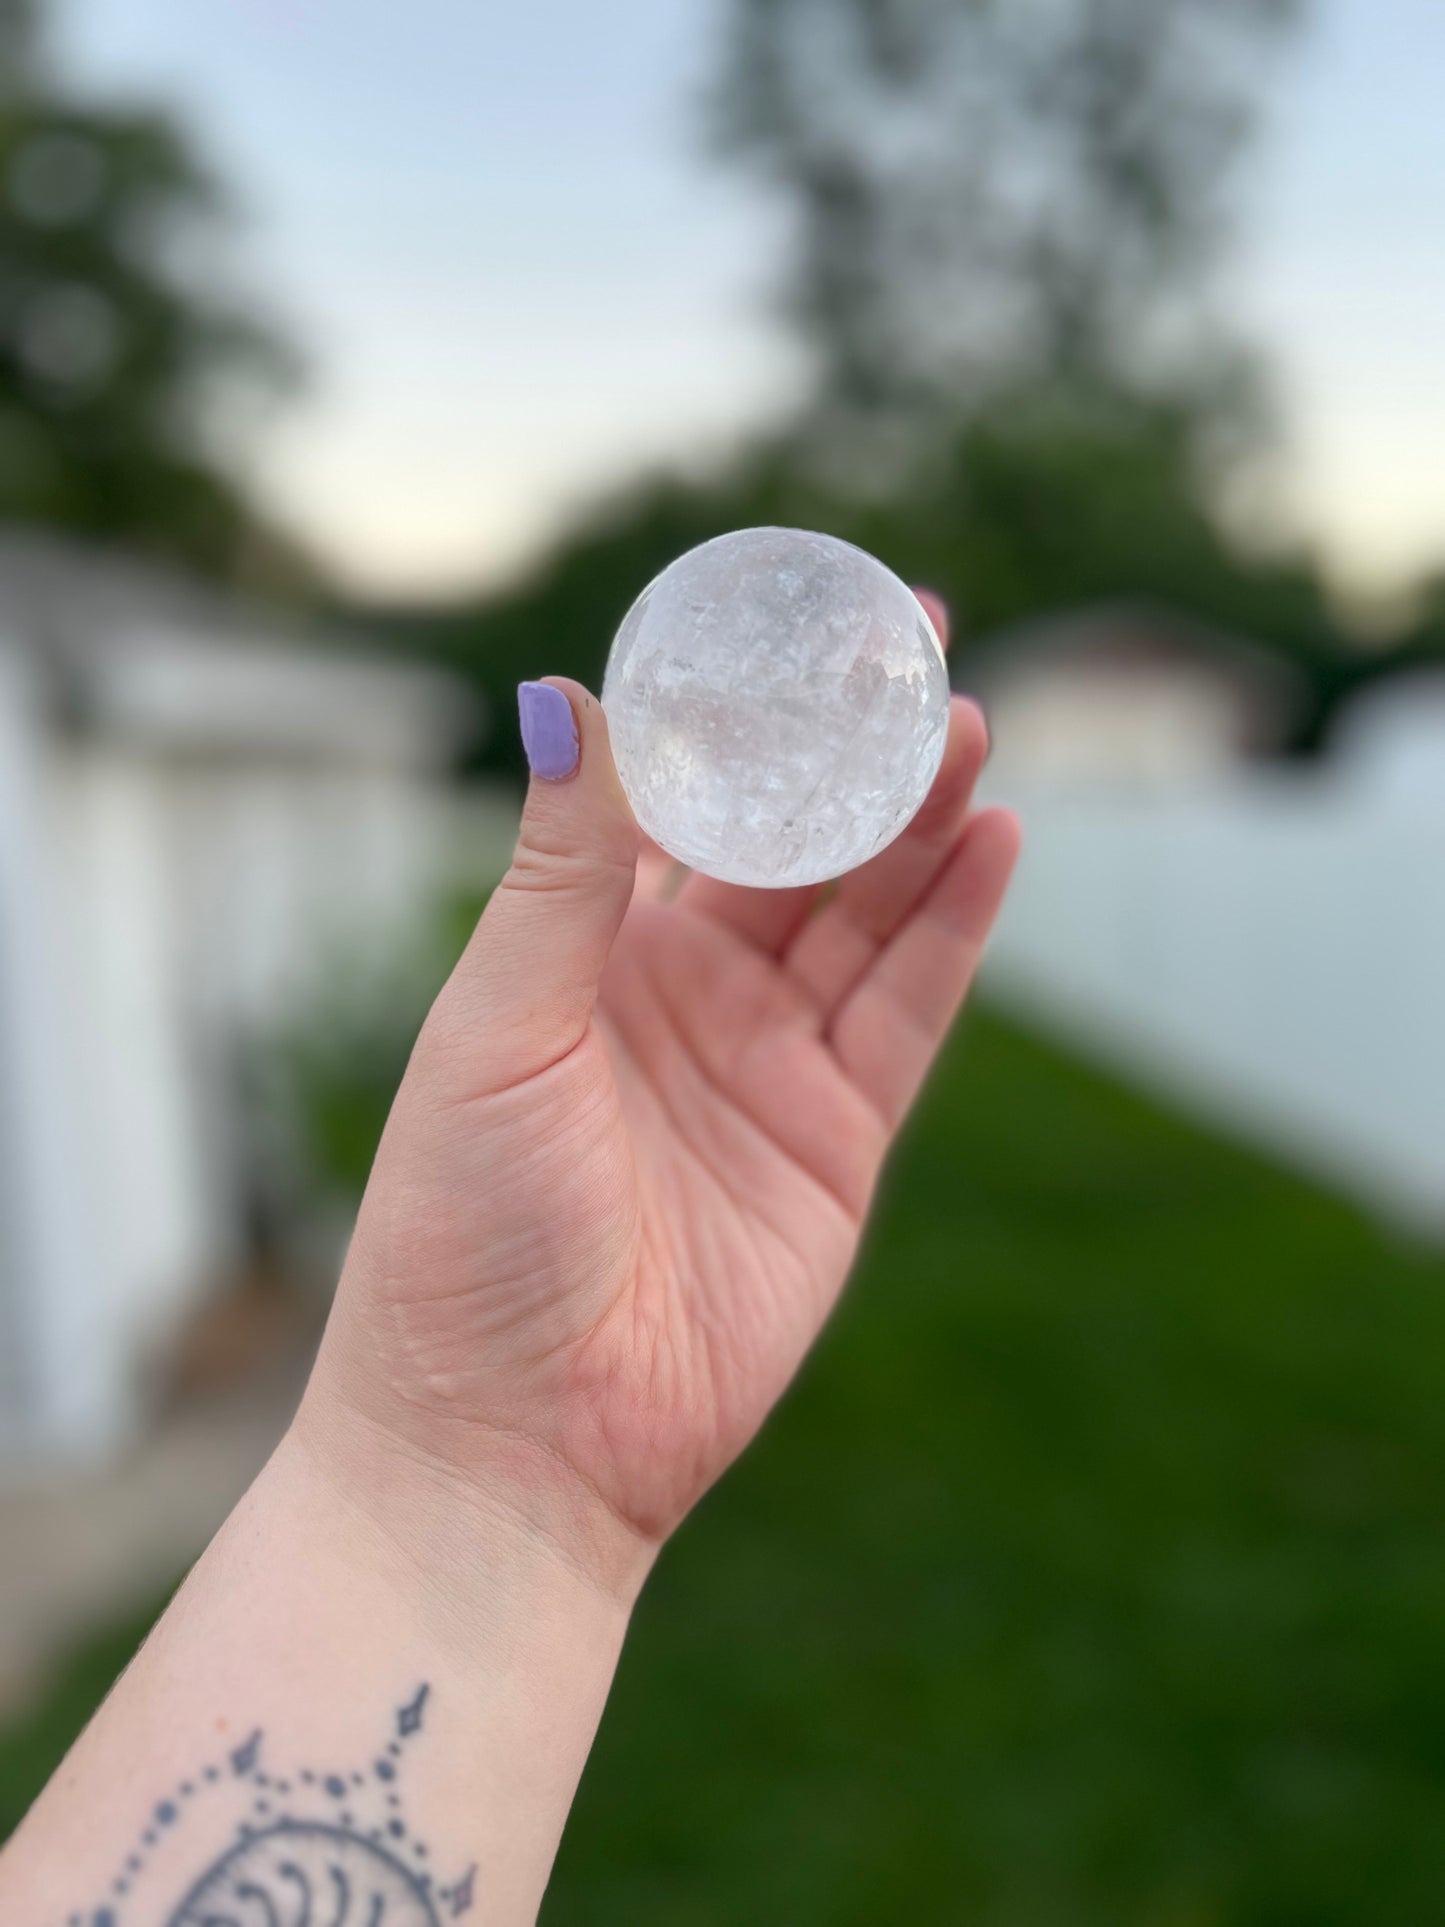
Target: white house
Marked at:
196, 808
1130, 696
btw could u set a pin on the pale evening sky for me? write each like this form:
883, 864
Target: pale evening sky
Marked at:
519, 279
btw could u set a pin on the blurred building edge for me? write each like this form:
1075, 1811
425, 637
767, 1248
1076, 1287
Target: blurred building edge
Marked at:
1260, 940
1391, 741
1132, 694
197, 809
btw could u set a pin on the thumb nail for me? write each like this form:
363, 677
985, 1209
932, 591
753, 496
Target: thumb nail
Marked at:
549, 731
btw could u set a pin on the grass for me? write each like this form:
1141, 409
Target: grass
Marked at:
1093, 1572
32, 1746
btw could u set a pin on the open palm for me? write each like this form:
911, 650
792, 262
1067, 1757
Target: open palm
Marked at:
626, 1174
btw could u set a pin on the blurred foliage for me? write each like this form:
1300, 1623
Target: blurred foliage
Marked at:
111, 349
330, 1078
984, 198
1091, 1573
33, 1744
1002, 222
1032, 509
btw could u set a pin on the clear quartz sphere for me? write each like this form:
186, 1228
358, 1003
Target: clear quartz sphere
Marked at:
778, 703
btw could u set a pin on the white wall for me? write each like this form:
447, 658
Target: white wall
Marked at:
1270, 950
59, 1389
157, 915
209, 898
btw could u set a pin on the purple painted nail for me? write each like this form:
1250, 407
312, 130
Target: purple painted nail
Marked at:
549, 733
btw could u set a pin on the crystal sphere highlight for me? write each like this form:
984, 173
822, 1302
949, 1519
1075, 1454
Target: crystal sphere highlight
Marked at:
778, 704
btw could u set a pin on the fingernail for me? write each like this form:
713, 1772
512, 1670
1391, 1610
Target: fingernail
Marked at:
549, 733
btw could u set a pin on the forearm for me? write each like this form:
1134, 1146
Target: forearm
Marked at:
351, 1696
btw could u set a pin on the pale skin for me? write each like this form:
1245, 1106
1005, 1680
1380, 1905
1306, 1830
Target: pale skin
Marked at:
619, 1192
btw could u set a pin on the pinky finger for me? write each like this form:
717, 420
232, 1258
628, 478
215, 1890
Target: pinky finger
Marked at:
888, 1031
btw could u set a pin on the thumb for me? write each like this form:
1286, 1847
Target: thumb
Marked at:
524, 991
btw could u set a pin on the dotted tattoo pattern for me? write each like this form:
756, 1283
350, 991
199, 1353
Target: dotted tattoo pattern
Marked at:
319, 1847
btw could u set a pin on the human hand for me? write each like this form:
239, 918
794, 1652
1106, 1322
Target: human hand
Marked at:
617, 1195
626, 1172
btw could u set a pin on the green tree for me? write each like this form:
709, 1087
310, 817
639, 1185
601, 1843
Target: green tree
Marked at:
987, 195
109, 355
1004, 216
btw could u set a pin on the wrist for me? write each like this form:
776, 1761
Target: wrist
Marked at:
328, 1624
507, 1522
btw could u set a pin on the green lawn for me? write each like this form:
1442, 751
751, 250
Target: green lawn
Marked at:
1095, 1571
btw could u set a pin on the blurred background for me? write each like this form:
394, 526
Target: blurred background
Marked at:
357, 361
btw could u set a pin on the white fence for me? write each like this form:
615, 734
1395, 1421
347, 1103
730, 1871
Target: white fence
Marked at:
158, 914
1270, 952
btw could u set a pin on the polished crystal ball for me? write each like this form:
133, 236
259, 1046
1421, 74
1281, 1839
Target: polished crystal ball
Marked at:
778, 704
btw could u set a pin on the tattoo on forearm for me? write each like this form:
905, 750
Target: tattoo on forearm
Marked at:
317, 1847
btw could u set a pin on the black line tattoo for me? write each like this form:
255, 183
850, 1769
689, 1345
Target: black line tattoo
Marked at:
317, 1848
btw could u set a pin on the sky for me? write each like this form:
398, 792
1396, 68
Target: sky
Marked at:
520, 279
